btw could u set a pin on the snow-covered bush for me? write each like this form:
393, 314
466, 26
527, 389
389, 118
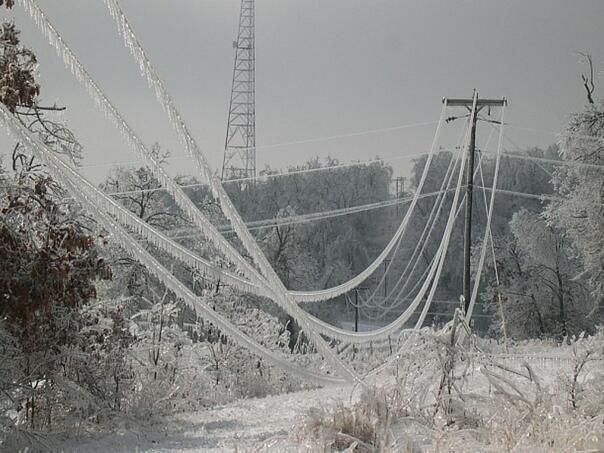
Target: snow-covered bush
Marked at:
582, 380
50, 263
103, 364
450, 394
234, 372
362, 426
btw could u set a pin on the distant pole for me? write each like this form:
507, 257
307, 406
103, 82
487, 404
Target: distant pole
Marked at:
386, 263
400, 189
356, 309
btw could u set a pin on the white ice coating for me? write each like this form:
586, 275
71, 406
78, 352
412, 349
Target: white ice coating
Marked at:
159, 240
165, 100
330, 293
418, 251
102, 102
413, 262
320, 326
83, 194
135, 143
487, 232
432, 279
310, 324
177, 123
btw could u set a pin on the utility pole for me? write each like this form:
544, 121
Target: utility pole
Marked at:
356, 308
386, 263
400, 185
400, 189
474, 106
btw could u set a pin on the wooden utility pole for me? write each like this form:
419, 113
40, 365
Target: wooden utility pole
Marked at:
386, 264
400, 189
356, 308
400, 185
474, 106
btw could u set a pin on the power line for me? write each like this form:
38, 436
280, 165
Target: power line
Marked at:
570, 163
510, 154
305, 218
315, 216
323, 215
332, 167
530, 195
522, 194
349, 135
290, 143
367, 132
532, 129
516, 155
283, 174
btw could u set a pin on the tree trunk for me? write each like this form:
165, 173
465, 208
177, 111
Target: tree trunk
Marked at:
561, 309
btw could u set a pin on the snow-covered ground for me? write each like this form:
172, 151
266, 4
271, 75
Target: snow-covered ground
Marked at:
271, 423
255, 424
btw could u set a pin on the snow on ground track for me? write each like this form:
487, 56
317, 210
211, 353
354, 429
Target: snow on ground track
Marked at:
238, 426
246, 423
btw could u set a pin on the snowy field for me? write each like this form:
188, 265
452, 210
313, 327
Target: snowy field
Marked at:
538, 406
256, 424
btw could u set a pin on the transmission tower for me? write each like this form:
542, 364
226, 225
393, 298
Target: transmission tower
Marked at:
240, 144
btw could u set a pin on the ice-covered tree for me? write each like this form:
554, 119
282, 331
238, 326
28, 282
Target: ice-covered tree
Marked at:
19, 92
539, 296
580, 212
141, 193
51, 259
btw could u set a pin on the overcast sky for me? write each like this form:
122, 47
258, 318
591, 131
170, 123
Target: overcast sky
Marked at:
324, 67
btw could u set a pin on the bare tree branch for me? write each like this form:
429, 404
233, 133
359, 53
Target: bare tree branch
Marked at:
588, 80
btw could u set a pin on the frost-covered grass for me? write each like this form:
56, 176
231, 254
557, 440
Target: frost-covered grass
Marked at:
448, 396
434, 398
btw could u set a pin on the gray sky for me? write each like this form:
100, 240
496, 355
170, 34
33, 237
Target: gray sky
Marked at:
324, 67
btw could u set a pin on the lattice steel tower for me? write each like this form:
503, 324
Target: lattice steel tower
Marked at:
240, 144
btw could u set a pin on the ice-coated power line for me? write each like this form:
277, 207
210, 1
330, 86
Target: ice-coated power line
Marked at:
99, 98
365, 132
270, 277
495, 266
81, 193
510, 154
308, 322
298, 142
288, 173
110, 112
314, 216
428, 228
567, 163
487, 234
